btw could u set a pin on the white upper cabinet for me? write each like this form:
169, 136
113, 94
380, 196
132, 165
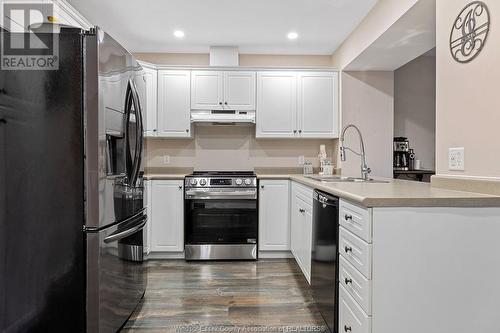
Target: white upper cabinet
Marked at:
317, 105
149, 105
297, 105
276, 105
274, 215
174, 111
216, 90
239, 90
207, 90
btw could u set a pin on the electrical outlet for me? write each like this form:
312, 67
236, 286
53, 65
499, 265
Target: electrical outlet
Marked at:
166, 159
302, 160
456, 159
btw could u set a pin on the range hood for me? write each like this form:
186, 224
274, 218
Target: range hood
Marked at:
222, 117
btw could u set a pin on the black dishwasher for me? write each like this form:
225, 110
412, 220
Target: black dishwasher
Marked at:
324, 267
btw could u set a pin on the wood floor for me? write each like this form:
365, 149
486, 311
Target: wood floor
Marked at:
264, 296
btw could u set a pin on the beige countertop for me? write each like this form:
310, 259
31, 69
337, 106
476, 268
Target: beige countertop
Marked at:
395, 193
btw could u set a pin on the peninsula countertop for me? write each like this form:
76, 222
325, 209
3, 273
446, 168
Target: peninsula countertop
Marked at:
394, 193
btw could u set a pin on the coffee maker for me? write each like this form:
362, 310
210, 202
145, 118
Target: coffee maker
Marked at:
402, 154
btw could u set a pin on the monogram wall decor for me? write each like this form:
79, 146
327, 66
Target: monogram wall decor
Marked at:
469, 32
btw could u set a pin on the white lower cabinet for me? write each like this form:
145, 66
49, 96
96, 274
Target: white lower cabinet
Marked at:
352, 319
274, 215
355, 268
166, 215
301, 227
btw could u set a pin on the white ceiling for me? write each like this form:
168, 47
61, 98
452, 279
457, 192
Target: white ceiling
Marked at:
255, 26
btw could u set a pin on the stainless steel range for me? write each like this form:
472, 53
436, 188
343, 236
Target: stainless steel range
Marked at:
221, 218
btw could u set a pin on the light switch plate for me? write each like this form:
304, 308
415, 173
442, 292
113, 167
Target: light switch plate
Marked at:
456, 159
166, 159
302, 160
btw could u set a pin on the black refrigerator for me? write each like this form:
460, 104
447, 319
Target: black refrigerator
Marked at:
71, 189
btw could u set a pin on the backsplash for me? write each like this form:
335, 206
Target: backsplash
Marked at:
234, 148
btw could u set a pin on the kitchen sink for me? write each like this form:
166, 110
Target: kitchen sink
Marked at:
339, 179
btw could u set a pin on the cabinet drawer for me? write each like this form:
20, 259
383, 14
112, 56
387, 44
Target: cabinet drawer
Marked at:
358, 286
303, 192
356, 219
352, 319
356, 251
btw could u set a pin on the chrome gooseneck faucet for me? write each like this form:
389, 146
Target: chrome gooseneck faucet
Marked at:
365, 170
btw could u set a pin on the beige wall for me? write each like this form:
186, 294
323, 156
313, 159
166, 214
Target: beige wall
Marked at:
232, 148
378, 20
415, 107
368, 102
259, 60
468, 97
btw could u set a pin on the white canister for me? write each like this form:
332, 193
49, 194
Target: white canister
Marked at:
418, 165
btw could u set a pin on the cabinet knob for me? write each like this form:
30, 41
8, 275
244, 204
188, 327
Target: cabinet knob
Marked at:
262, 186
300, 131
347, 281
180, 187
225, 103
302, 210
154, 130
187, 130
347, 249
347, 217
294, 131
347, 328
220, 103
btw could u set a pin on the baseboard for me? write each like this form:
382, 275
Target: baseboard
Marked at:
275, 254
181, 255
165, 255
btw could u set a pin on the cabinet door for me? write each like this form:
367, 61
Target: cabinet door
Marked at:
149, 105
174, 111
207, 90
274, 212
276, 105
167, 216
295, 228
317, 105
239, 90
307, 241
147, 204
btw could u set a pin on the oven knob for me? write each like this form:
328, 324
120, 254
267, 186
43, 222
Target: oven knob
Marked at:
193, 181
239, 182
248, 181
203, 182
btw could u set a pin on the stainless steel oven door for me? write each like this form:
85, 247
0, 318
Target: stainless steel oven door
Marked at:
221, 221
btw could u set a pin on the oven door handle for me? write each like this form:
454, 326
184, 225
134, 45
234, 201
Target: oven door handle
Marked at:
117, 235
197, 194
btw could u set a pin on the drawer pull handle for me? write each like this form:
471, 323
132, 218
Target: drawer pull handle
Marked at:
347, 328
347, 249
302, 210
347, 281
347, 217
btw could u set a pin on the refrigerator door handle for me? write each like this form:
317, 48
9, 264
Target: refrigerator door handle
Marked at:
117, 235
128, 157
139, 134
132, 100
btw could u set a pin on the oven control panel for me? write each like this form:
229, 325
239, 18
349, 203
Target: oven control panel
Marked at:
191, 182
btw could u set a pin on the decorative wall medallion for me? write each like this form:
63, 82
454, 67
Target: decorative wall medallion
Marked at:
469, 32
